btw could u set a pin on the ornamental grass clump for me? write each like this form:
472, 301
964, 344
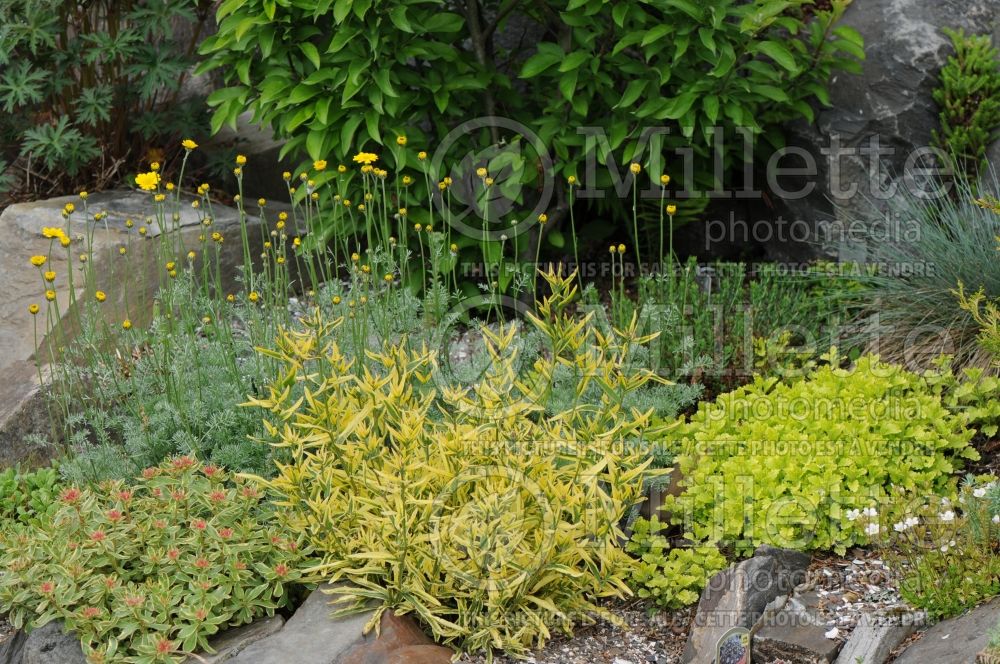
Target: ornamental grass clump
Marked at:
492, 521
146, 573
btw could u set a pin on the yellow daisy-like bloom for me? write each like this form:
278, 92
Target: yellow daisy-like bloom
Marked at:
170, 186
671, 210
336, 299
454, 248
64, 241
388, 278
319, 164
447, 181
664, 180
148, 181
280, 260
635, 168
126, 324
172, 274
129, 223
341, 168
297, 242
253, 296
267, 245
542, 218
70, 208
191, 255
100, 296
142, 230
407, 180
366, 269
50, 295
83, 195
188, 144
481, 172
203, 188
402, 212
488, 182
171, 265
286, 176
33, 309
401, 140
367, 168
155, 166
206, 319
347, 202
38, 261
571, 180
421, 155
159, 198
51, 232
230, 298
217, 237
442, 186
50, 276
314, 195
280, 225
121, 251
261, 202
621, 248
241, 160
355, 257
366, 158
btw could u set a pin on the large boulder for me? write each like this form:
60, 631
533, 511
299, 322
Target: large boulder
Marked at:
738, 596
955, 640
887, 107
140, 272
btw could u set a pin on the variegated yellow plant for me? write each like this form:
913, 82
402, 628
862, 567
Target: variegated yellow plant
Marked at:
470, 507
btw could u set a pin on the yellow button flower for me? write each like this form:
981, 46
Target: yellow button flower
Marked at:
148, 181
188, 144
319, 164
38, 261
100, 296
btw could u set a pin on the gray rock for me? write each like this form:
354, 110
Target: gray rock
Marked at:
49, 644
876, 635
232, 642
889, 102
12, 648
22, 412
796, 633
738, 596
956, 640
311, 636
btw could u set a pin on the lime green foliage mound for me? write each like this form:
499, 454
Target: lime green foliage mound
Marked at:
24, 496
792, 463
145, 574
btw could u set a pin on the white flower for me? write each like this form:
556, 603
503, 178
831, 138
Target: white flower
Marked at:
912, 521
871, 529
980, 492
900, 527
996, 518
852, 515
870, 512
947, 516
944, 548
833, 633
951, 543
945, 501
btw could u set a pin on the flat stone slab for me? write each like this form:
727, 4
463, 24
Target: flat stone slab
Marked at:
796, 633
876, 635
21, 411
955, 641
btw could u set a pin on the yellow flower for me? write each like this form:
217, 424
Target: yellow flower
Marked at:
621, 248
481, 172
442, 186
70, 208
366, 158
447, 181
297, 242
286, 176
417, 227
100, 296
336, 299
261, 202
230, 298
281, 260
172, 274
38, 261
188, 144
542, 218
366, 269
83, 258
253, 296
129, 223
454, 248
314, 195
488, 182
341, 168
241, 160
154, 166
33, 309
121, 250
126, 324
52, 232
159, 198
170, 266
355, 257
671, 210
388, 278
402, 213
64, 241
237, 172
148, 181
427, 228
421, 155
401, 140
571, 180
280, 224
50, 276
407, 180
664, 180
613, 249
50, 295
635, 168
319, 164
83, 195
191, 255
361, 207
217, 237
170, 186
142, 230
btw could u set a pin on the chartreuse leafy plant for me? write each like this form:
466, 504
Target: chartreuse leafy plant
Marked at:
792, 463
27, 495
670, 577
146, 573
333, 75
491, 520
